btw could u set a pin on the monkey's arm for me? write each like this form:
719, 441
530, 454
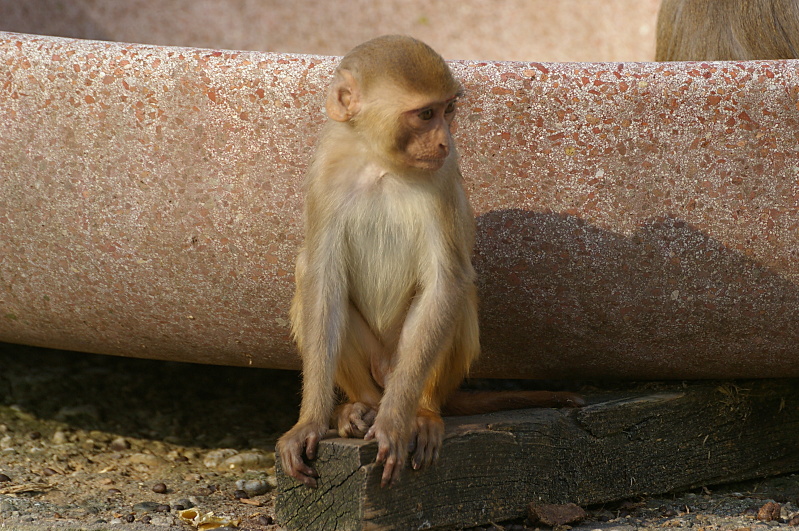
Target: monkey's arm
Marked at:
319, 317
425, 333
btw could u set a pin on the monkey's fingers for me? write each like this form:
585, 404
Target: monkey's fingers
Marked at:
302, 472
391, 453
428, 436
301, 440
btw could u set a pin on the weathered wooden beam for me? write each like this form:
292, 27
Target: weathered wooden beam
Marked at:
621, 445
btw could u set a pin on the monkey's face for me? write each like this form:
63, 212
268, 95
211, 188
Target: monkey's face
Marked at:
423, 137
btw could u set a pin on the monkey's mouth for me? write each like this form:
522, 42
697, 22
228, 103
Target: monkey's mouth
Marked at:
430, 164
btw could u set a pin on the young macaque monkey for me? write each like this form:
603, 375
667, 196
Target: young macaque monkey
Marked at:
385, 306
727, 30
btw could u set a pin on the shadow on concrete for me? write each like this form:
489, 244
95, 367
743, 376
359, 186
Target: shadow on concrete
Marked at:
577, 301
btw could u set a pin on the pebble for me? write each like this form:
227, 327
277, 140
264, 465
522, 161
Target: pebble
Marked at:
119, 444
265, 520
49, 472
35, 435
159, 488
144, 459
163, 508
3, 477
253, 460
253, 487
183, 503
162, 521
59, 437
240, 494
145, 507
215, 457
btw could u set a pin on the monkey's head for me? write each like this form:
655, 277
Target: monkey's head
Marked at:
401, 97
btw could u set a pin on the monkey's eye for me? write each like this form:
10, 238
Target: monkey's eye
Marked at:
451, 106
426, 114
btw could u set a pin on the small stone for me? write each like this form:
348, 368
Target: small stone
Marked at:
555, 515
253, 487
145, 459
265, 520
253, 460
49, 472
163, 508
145, 507
3, 477
239, 494
145, 519
35, 435
119, 444
162, 521
114, 492
130, 518
215, 457
159, 488
183, 503
769, 512
60, 437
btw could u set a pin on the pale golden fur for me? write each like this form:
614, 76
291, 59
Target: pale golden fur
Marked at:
385, 306
727, 30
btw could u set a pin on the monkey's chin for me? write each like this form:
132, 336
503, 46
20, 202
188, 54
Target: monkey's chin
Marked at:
428, 164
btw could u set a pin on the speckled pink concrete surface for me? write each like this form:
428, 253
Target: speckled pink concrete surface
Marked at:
635, 220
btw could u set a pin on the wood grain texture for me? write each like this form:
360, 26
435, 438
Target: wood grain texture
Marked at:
621, 445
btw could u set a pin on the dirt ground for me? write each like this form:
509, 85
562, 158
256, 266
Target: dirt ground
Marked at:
99, 442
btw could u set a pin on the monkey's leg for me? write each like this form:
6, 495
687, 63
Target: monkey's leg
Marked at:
355, 377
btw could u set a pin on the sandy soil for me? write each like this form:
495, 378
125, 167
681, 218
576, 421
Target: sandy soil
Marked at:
98, 442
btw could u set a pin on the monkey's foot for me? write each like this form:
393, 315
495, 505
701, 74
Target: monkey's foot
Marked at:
353, 420
427, 438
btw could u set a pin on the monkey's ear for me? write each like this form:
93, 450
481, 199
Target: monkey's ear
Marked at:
343, 97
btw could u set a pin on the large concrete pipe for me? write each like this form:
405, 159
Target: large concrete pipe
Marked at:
635, 220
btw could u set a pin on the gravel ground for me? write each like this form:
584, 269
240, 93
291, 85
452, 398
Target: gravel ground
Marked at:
99, 442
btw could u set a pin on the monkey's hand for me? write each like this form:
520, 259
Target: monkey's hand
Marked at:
302, 439
392, 448
427, 438
354, 419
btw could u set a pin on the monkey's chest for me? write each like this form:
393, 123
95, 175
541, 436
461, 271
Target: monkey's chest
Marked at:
387, 248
